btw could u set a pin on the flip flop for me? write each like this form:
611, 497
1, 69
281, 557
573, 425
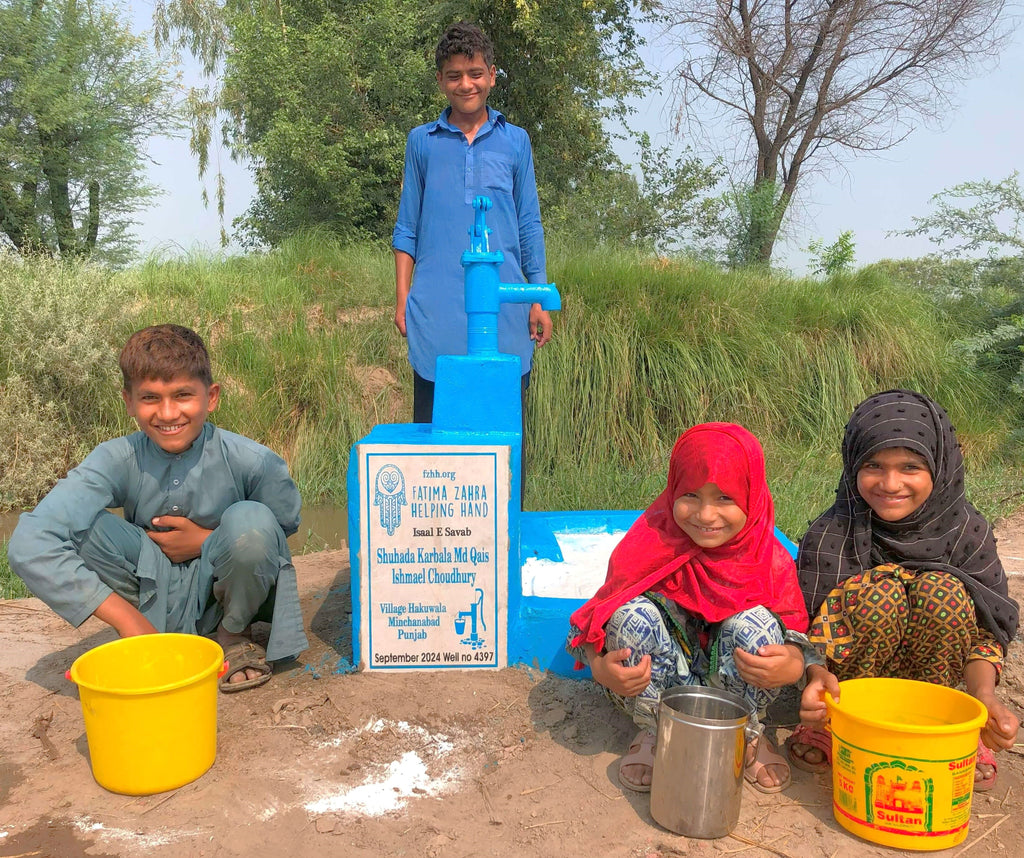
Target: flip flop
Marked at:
815, 737
986, 758
640, 753
764, 756
245, 655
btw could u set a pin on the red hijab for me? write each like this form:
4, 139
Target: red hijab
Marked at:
750, 569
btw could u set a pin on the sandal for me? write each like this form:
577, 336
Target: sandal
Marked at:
245, 655
985, 758
761, 756
813, 737
640, 753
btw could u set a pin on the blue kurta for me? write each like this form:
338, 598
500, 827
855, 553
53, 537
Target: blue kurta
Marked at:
443, 173
134, 474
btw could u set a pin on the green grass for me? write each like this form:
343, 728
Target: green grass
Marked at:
11, 586
304, 345
644, 349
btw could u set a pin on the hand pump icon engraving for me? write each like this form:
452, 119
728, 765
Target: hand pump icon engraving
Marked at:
475, 614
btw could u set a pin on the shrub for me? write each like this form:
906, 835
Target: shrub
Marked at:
59, 325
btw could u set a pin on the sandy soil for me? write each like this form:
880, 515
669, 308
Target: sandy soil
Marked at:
324, 762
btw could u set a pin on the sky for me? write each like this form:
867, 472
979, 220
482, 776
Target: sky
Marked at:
982, 138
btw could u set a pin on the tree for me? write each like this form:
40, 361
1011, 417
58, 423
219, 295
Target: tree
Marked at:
806, 79
325, 155
319, 95
80, 97
992, 222
969, 219
665, 208
832, 259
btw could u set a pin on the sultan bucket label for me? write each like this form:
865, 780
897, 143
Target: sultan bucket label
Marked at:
908, 801
434, 557
903, 754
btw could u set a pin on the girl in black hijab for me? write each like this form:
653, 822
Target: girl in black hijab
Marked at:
901, 575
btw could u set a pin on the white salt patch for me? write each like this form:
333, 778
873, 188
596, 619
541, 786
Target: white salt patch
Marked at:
583, 568
404, 778
378, 725
396, 782
135, 838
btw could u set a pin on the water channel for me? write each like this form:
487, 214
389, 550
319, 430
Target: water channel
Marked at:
323, 528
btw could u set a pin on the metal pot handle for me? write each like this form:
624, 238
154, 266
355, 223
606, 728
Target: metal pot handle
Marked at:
752, 732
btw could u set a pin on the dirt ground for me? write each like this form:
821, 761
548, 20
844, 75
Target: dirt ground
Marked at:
325, 762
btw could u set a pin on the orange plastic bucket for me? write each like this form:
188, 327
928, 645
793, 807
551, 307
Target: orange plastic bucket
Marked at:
150, 709
903, 755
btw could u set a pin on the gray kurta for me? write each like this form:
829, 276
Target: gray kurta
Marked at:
218, 470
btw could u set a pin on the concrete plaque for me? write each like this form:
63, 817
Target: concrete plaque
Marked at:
434, 570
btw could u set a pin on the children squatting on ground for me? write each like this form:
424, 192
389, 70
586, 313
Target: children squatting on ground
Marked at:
699, 592
901, 575
201, 548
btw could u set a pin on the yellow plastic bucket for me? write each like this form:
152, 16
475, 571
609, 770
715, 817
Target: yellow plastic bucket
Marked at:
903, 757
150, 709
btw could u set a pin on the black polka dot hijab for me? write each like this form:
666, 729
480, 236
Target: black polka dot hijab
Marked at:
944, 534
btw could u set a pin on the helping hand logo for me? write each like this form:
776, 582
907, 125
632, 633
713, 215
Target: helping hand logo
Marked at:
389, 495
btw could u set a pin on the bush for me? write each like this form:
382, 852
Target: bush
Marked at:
59, 325
985, 296
37, 448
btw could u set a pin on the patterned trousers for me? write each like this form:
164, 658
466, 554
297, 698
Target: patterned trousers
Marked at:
892, 622
642, 626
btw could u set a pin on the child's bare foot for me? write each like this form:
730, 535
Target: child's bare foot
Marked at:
247, 661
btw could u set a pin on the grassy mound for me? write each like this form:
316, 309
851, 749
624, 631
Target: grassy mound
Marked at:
304, 344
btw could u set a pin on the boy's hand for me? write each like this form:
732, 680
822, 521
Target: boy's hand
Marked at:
540, 325
771, 666
813, 711
609, 671
125, 618
404, 265
184, 541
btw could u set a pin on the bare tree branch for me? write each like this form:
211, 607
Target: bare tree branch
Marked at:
805, 79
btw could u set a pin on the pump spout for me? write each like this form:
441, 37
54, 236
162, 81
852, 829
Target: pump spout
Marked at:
544, 294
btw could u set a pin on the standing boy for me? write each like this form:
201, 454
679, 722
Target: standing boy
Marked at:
201, 547
469, 151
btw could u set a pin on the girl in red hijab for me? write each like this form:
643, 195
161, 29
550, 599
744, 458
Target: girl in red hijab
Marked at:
699, 592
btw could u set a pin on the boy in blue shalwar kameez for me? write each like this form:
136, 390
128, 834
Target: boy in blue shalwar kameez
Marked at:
469, 150
201, 548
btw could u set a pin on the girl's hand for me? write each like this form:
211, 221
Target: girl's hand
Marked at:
771, 666
813, 711
610, 671
999, 732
